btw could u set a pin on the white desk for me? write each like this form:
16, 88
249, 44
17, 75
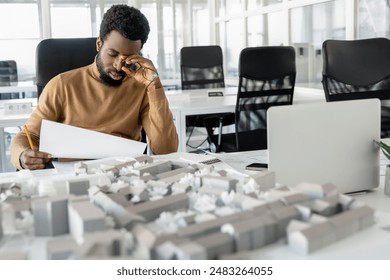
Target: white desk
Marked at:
8, 121
22, 86
12, 120
185, 103
19, 86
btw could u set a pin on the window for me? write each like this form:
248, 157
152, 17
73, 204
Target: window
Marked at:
275, 28
19, 20
271, 2
253, 4
234, 6
150, 49
310, 26
255, 31
374, 18
201, 23
234, 45
71, 21
232, 24
174, 24
19, 36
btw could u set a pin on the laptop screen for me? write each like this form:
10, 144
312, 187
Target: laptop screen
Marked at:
326, 143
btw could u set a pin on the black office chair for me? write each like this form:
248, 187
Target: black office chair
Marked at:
54, 56
8, 75
358, 69
266, 78
201, 67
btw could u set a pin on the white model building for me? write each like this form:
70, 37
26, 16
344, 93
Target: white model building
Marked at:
307, 238
160, 209
1, 222
77, 186
60, 249
122, 217
84, 217
50, 216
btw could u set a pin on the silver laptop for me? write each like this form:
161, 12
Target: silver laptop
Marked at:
326, 142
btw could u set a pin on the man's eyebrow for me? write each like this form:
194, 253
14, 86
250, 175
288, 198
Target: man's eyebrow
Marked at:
113, 50
116, 52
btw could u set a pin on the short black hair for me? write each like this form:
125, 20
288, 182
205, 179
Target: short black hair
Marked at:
128, 21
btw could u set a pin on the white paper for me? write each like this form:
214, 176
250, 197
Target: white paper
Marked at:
239, 160
66, 141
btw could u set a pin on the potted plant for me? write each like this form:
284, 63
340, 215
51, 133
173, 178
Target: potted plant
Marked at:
386, 151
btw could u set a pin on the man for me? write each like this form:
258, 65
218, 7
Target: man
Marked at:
119, 94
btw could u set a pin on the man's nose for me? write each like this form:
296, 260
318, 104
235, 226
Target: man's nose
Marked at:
119, 63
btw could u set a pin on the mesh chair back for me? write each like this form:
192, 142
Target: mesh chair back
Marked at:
266, 78
8, 72
54, 56
356, 69
201, 67
8, 75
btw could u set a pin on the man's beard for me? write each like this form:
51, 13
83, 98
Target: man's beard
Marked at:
104, 77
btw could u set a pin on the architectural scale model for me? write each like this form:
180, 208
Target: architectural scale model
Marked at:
146, 208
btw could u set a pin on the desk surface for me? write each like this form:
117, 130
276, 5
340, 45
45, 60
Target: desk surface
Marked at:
198, 99
185, 103
18, 87
198, 102
12, 120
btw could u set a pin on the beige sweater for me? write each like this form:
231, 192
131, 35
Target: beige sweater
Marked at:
79, 98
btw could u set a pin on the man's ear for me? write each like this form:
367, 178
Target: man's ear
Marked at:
99, 44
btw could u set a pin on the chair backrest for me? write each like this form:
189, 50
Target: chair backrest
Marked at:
201, 67
356, 69
54, 56
8, 72
8, 75
266, 78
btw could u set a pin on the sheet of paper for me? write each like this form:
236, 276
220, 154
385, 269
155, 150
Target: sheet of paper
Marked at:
239, 160
66, 141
